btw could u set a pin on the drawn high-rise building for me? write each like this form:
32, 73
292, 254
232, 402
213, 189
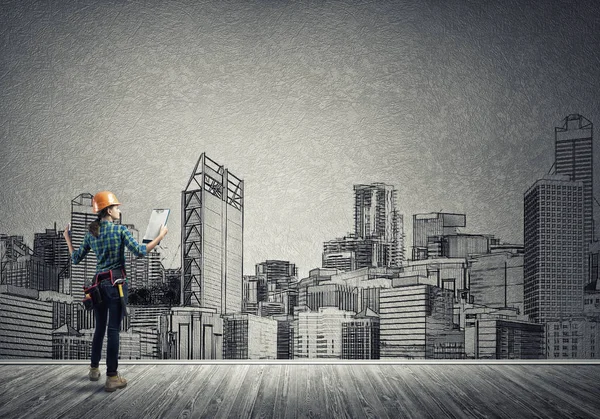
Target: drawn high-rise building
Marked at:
376, 217
190, 333
416, 321
500, 333
20, 267
212, 220
246, 336
81, 217
12, 250
435, 224
496, 280
52, 249
146, 322
573, 338
26, 327
574, 157
350, 253
360, 336
336, 295
279, 274
319, 333
591, 302
553, 265
250, 294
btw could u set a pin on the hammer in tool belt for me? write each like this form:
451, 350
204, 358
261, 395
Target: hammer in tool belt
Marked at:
119, 284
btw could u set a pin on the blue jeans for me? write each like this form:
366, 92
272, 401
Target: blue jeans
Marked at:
109, 311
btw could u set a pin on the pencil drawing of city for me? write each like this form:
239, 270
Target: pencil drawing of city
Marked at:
347, 180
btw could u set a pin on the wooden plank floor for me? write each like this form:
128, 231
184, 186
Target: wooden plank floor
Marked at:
311, 391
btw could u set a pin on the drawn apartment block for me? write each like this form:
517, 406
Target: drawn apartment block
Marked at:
591, 302
446, 273
500, 333
360, 336
319, 333
437, 224
378, 238
496, 280
277, 282
68, 318
315, 277
350, 253
576, 337
25, 324
20, 267
285, 336
145, 320
416, 321
191, 333
52, 249
340, 296
246, 336
69, 343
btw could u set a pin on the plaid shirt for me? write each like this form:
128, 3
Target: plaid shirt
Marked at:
109, 247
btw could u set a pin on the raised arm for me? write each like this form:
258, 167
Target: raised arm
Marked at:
140, 250
79, 254
161, 235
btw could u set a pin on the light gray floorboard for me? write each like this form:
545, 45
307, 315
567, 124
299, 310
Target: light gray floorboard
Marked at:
305, 391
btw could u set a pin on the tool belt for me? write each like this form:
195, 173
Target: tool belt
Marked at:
93, 296
112, 275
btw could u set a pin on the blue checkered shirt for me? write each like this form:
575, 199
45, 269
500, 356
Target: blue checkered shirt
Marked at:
109, 247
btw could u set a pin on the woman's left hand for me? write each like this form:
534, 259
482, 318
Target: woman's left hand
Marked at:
66, 234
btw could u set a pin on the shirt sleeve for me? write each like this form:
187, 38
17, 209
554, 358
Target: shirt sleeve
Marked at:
82, 251
137, 249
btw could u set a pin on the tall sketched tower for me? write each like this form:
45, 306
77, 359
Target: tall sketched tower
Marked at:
558, 227
574, 157
553, 264
212, 211
376, 217
81, 217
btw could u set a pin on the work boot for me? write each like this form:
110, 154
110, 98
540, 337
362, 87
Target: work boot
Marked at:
94, 374
113, 383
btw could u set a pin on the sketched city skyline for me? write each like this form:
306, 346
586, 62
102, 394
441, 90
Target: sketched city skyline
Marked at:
453, 105
366, 300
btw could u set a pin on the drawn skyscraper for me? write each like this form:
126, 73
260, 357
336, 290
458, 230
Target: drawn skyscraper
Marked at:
212, 220
376, 217
52, 248
553, 264
574, 157
81, 217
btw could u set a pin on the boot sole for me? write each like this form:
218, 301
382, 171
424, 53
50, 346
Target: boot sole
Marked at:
111, 389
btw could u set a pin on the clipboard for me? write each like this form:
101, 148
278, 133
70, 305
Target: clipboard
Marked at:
158, 218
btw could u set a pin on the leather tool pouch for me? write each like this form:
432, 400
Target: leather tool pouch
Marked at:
93, 297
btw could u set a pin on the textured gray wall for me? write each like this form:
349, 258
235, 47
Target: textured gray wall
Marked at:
453, 102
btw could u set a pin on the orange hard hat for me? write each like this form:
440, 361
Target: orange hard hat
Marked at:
104, 199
